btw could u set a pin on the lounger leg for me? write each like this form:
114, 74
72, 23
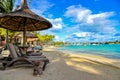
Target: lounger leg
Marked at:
37, 68
11, 62
7, 60
44, 66
45, 63
17, 60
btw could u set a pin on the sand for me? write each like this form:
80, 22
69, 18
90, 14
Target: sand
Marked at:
64, 66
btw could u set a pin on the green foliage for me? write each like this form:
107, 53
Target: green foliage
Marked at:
6, 6
38, 35
58, 43
45, 38
11, 33
2, 32
113, 42
48, 38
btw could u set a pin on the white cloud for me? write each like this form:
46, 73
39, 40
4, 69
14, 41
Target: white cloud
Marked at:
78, 12
90, 37
39, 7
87, 21
57, 23
57, 38
100, 18
83, 34
37, 11
79, 37
82, 14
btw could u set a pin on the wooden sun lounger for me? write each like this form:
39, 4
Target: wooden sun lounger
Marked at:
17, 58
29, 53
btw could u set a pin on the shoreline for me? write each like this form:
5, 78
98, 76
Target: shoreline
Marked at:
96, 58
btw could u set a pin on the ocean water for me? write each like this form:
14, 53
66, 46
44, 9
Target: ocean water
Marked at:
106, 50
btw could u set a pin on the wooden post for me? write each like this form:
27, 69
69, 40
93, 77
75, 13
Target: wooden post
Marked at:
6, 36
24, 4
24, 32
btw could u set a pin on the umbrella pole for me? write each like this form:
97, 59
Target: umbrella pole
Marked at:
24, 42
7, 36
24, 37
24, 4
24, 32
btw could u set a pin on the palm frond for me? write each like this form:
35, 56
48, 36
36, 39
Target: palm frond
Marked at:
6, 6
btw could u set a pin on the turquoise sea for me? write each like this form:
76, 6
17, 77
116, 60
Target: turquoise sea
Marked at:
106, 50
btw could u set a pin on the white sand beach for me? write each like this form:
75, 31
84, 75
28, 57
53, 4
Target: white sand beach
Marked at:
65, 66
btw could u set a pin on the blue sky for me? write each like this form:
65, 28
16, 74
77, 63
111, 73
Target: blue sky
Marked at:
80, 20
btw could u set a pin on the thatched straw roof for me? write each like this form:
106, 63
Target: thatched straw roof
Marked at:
24, 19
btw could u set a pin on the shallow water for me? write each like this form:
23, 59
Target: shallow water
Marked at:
106, 50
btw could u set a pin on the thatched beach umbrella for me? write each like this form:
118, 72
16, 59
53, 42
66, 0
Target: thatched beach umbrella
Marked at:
30, 37
24, 20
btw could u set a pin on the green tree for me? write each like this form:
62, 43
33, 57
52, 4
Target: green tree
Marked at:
39, 36
45, 38
58, 43
6, 6
48, 38
2, 32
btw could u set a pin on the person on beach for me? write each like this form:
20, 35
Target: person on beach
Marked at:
38, 47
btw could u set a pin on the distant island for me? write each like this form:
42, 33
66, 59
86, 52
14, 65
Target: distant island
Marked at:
83, 43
